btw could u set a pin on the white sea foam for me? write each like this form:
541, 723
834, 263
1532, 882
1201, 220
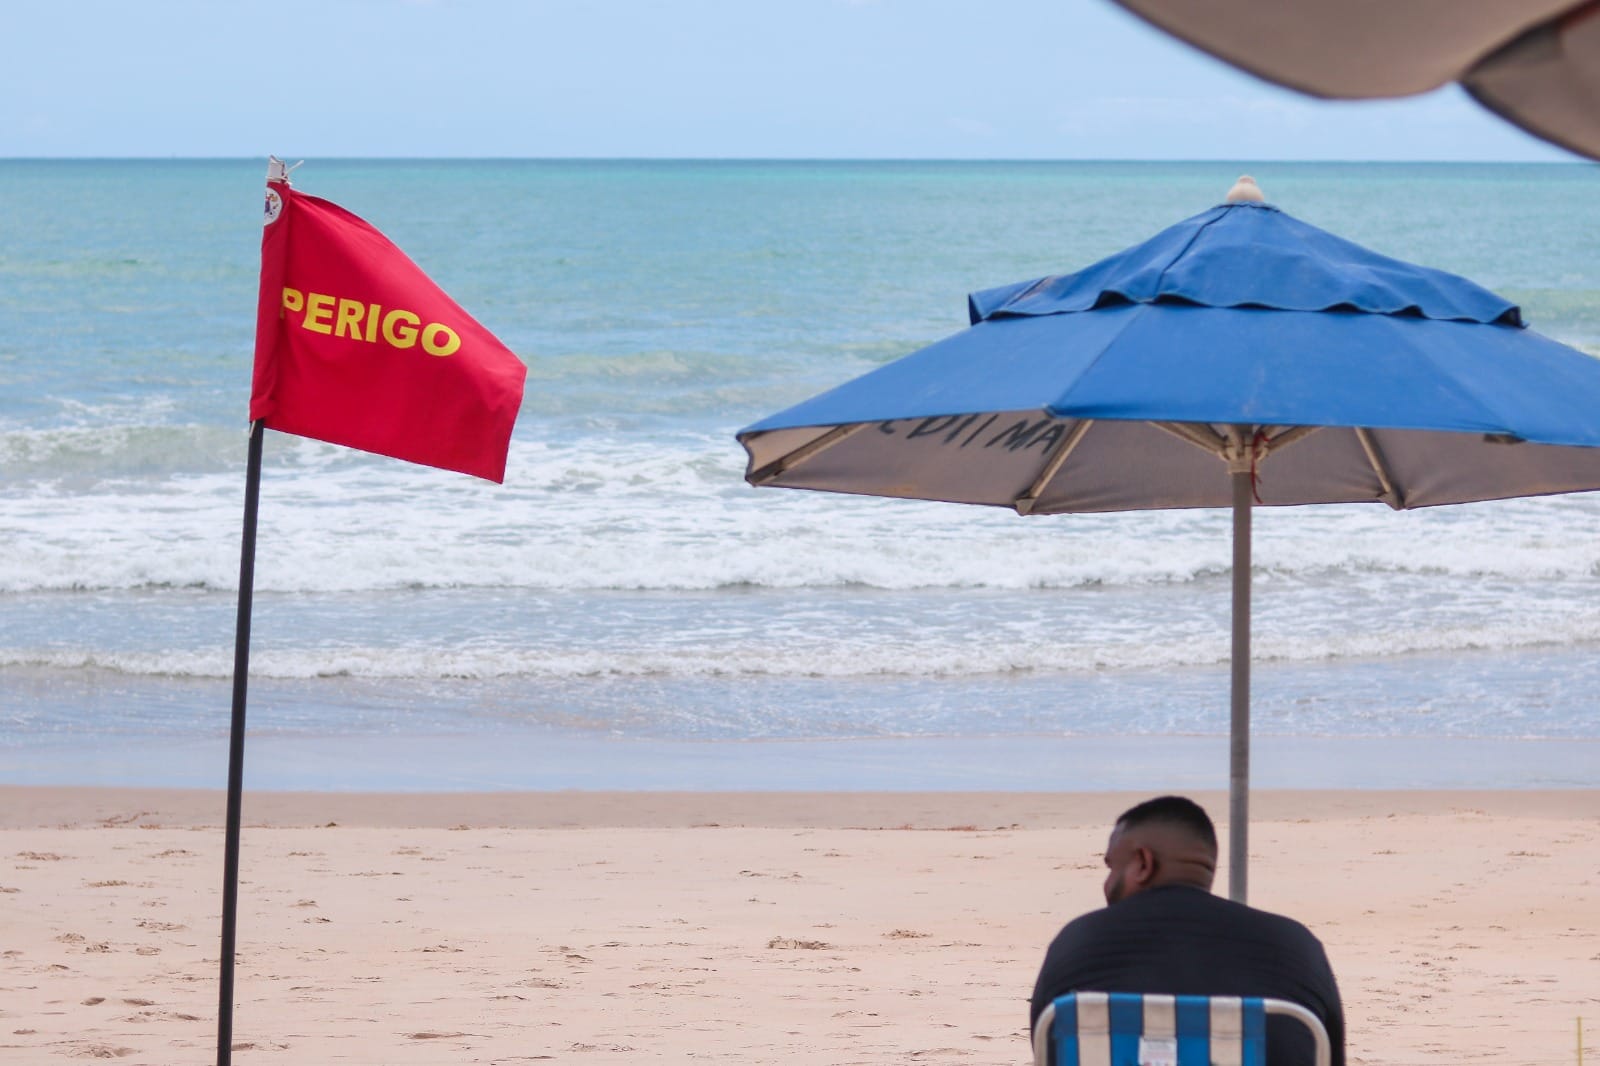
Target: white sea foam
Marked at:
799, 585
674, 515
842, 652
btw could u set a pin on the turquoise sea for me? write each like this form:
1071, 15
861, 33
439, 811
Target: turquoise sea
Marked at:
625, 611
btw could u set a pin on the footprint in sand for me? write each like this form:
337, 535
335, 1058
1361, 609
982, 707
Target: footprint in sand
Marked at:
793, 944
101, 1051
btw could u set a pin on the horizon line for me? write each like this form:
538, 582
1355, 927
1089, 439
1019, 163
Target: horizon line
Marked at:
1215, 160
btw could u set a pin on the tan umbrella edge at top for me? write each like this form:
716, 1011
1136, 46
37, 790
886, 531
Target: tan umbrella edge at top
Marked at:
1353, 49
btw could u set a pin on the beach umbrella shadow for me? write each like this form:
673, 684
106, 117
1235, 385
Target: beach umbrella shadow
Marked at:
1535, 63
1239, 358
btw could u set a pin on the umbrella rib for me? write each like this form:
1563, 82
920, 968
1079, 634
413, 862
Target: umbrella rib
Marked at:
1279, 441
1200, 435
784, 463
1024, 503
1375, 457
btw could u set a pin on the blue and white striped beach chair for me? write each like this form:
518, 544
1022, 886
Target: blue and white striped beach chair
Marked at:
1127, 1029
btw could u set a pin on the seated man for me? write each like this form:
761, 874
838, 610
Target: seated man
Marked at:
1163, 931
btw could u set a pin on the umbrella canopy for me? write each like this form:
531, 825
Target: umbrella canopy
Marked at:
1536, 63
1238, 357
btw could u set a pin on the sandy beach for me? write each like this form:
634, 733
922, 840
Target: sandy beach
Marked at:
741, 927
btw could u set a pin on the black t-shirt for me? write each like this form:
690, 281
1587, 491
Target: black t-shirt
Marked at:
1184, 941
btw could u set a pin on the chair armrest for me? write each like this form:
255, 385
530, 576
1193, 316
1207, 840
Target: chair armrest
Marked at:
1309, 1020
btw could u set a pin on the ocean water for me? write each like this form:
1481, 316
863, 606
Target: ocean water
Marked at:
625, 611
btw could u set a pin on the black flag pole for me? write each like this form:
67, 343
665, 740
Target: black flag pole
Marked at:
241, 678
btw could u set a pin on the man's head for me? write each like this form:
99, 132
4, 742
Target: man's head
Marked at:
1165, 841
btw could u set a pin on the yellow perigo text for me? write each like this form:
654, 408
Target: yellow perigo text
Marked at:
340, 316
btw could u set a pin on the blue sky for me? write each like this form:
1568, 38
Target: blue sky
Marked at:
1004, 79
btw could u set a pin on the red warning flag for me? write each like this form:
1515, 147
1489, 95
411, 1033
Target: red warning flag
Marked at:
356, 346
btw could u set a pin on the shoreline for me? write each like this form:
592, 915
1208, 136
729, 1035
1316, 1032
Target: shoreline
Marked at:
533, 760
91, 807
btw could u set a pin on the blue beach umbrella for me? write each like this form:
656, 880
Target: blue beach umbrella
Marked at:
1240, 357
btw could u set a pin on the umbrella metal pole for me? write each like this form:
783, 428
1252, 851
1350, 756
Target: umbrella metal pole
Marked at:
1239, 726
241, 676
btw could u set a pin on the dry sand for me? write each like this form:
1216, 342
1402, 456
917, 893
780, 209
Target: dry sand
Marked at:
834, 928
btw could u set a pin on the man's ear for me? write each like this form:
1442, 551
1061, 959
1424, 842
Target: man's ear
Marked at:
1144, 866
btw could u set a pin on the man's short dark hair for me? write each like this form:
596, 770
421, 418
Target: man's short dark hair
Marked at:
1172, 810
